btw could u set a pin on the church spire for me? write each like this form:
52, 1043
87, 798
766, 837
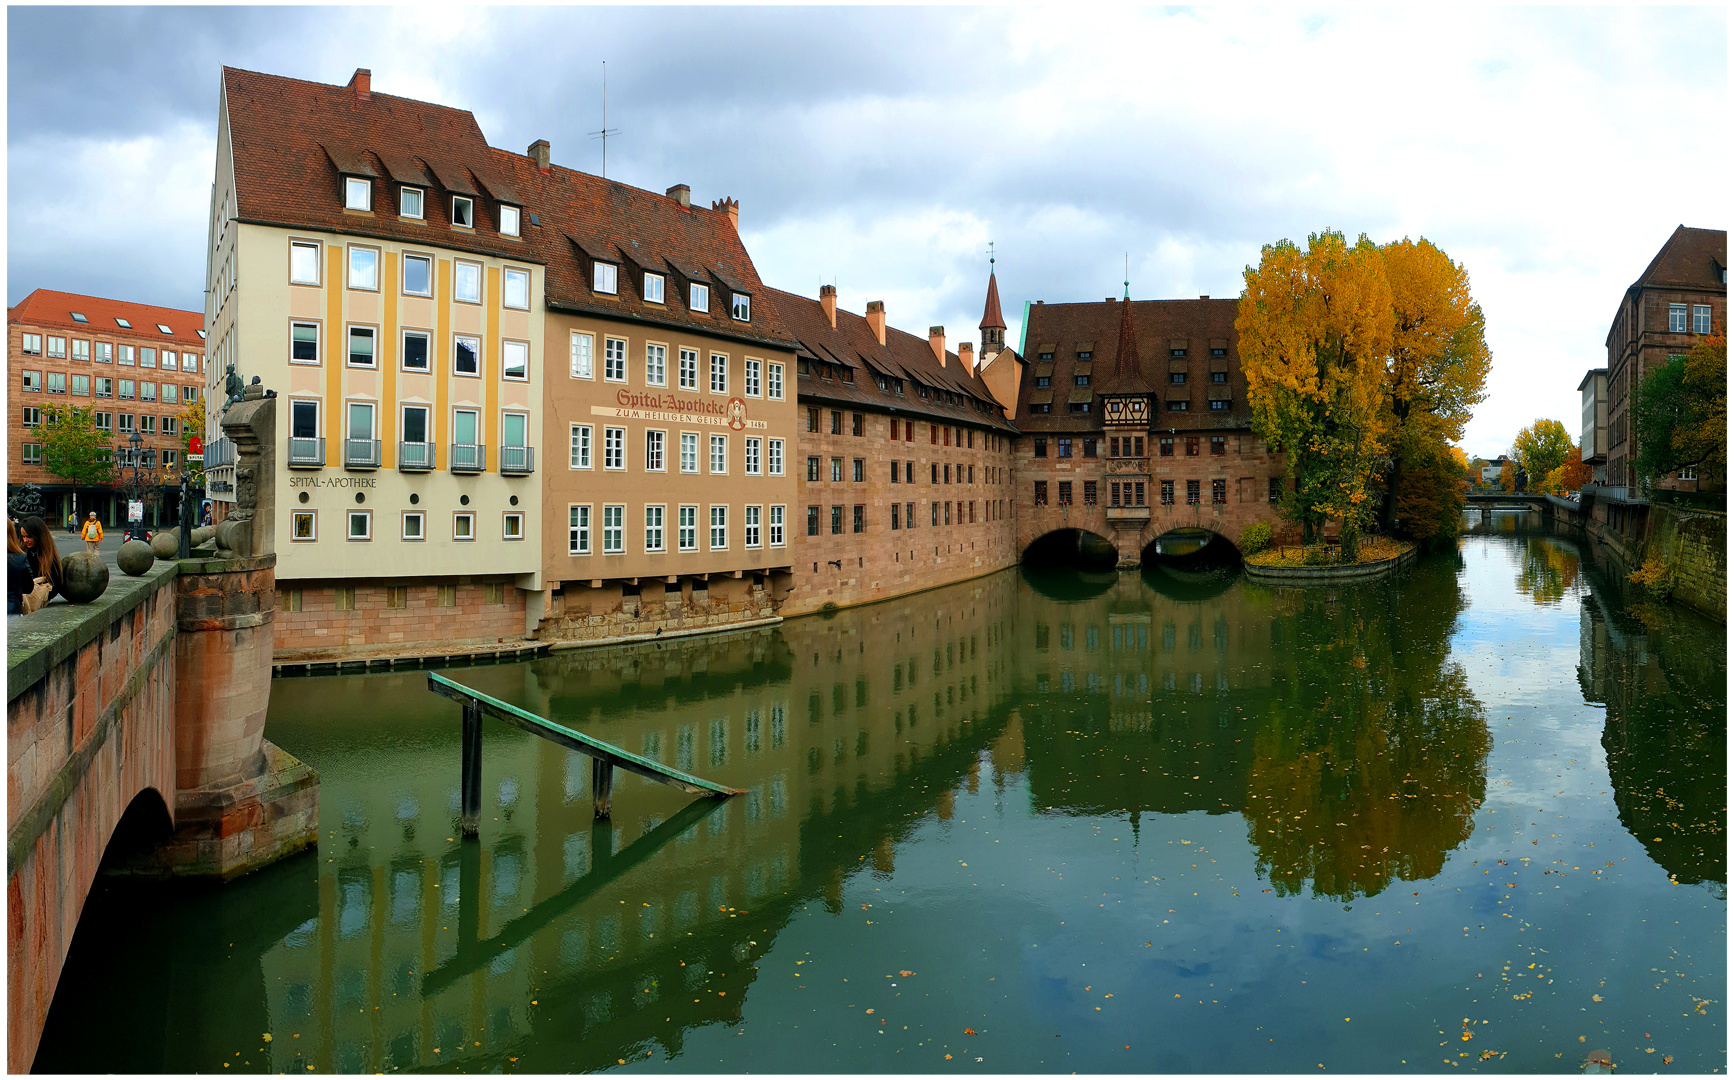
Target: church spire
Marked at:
992, 322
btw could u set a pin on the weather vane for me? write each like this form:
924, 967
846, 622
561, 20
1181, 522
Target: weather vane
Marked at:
990, 254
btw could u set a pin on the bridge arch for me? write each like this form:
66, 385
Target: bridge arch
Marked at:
1187, 540
1080, 549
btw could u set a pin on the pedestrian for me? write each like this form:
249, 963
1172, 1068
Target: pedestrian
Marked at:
39, 551
92, 533
72, 521
18, 583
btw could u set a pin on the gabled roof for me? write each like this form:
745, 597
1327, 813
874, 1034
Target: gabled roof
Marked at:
903, 356
47, 308
991, 319
1691, 259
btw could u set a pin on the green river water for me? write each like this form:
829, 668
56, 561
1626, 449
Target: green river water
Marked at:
1471, 819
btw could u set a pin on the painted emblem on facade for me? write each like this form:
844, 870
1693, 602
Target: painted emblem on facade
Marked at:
737, 414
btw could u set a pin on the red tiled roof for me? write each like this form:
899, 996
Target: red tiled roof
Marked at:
1064, 329
1691, 258
1127, 375
47, 308
991, 319
903, 356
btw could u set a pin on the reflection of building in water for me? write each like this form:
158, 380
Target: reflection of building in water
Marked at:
422, 942
1666, 732
1352, 746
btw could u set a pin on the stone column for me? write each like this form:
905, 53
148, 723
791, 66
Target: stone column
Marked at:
241, 802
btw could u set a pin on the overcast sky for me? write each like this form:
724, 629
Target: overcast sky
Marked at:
1551, 150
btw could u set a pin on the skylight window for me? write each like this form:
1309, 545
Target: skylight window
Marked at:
122, 323
164, 329
78, 316
201, 334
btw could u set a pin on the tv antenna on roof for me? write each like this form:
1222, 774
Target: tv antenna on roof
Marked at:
606, 130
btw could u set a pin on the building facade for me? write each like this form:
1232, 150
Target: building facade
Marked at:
1681, 297
1593, 442
1136, 424
136, 366
903, 466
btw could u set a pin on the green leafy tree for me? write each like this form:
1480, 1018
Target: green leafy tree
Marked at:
1681, 415
193, 423
74, 448
1430, 493
1541, 448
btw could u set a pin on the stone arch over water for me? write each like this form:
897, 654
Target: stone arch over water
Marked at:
1080, 549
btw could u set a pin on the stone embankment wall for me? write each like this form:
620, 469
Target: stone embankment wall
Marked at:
320, 621
1694, 545
90, 726
605, 614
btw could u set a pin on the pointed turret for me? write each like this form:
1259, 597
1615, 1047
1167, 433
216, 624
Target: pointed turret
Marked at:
992, 322
1128, 373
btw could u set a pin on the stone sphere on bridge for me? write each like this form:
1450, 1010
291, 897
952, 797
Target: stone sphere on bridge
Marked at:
203, 534
165, 544
84, 577
135, 558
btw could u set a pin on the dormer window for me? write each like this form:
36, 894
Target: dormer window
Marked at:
409, 203
1045, 356
1218, 352
201, 334
606, 278
698, 298
78, 316
510, 218
1176, 352
123, 324
463, 212
357, 193
652, 287
743, 307
1086, 354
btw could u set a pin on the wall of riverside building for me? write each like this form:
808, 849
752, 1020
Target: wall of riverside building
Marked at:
439, 616
881, 562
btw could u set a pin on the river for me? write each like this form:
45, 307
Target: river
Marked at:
1469, 819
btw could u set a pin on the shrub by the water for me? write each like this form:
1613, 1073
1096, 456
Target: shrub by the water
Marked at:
1256, 538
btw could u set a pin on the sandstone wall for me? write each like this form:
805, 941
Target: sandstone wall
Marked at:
429, 616
1694, 543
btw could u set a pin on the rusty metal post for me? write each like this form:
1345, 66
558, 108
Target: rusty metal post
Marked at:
471, 785
602, 783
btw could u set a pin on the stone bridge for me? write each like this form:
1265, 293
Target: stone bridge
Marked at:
135, 742
1132, 529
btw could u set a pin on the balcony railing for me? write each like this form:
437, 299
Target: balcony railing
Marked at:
361, 453
517, 460
220, 453
306, 453
469, 457
415, 456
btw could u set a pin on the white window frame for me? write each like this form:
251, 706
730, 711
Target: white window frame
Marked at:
30, 381
355, 251
742, 308
689, 369
459, 266
403, 533
754, 456
774, 525
719, 373
147, 357
1684, 312
127, 358
468, 212
655, 515
353, 515
427, 418
614, 449
719, 455
426, 352
104, 386
578, 529
468, 516
104, 352
698, 298
81, 348
477, 413
605, 278
583, 355
476, 342
655, 287
317, 343
613, 359
614, 529
751, 525
512, 521
751, 378
522, 278
655, 364
31, 345
583, 444
308, 247
719, 528
689, 451
508, 348
774, 457
56, 347
410, 257
511, 220
403, 210
1700, 323
688, 528
357, 193
507, 414
774, 381
348, 346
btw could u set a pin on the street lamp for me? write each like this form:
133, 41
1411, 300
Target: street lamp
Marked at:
137, 479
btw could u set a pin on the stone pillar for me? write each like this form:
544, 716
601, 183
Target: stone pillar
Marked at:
241, 802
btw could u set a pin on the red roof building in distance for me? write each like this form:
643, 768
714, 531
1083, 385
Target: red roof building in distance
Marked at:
136, 367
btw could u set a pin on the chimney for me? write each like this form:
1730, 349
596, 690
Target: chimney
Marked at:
1206, 296
966, 355
936, 338
362, 83
681, 194
876, 318
538, 153
828, 301
732, 207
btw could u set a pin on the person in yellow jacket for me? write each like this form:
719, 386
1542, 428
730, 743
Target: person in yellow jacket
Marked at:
92, 533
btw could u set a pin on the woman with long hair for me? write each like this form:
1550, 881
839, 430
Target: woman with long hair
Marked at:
17, 571
38, 541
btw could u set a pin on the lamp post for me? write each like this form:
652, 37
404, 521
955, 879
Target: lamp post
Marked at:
138, 480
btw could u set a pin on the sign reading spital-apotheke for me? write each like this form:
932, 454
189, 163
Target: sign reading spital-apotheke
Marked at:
674, 409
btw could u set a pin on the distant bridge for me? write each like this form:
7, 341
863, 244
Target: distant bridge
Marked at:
1495, 500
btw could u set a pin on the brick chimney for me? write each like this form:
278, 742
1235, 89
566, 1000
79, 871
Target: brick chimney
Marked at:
966, 355
936, 339
876, 318
681, 194
362, 83
730, 206
828, 301
538, 152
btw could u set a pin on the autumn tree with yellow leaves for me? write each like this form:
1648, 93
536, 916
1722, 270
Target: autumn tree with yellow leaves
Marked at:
1315, 333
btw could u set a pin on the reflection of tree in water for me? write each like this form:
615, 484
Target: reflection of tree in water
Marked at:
1549, 570
1369, 766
